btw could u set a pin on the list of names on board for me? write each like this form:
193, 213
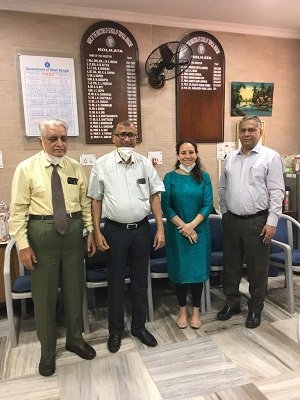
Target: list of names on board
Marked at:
202, 74
200, 90
109, 56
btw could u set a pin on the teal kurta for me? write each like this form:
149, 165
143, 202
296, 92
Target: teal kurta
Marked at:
185, 197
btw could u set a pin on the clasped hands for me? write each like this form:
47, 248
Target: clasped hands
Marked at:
189, 232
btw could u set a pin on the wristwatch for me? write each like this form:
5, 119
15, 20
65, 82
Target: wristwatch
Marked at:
86, 232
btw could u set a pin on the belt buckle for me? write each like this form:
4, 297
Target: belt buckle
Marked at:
131, 226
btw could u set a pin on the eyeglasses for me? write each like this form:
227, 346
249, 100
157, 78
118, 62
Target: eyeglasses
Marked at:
54, 139
250, 130
123, 135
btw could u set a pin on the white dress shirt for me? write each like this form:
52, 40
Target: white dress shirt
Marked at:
253, 182
125, 189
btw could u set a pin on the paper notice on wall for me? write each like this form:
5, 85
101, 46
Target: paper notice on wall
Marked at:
49, 92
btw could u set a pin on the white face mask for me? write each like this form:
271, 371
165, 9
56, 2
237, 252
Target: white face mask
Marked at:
187, 168
52, 159
125, 152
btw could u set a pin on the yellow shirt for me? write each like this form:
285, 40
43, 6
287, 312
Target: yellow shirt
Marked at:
31, 193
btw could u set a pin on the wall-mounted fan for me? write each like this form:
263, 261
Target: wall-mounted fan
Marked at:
166, 62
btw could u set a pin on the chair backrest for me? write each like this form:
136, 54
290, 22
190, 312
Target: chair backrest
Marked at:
158, 258
160, 253
95, 267
216, 232
22, 282
285, 232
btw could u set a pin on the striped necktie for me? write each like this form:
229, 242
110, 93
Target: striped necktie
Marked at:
58, 203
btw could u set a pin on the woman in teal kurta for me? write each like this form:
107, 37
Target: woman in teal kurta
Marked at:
187, 203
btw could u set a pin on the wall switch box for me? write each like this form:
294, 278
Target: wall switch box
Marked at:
223, 149
87, 159
155, 157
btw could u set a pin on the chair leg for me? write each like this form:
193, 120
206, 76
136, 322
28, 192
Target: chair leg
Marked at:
23, 309
205, 298
290, 290
298, 329
91, 297
150, 297
207, 295
11, 322
85, 312
203, 304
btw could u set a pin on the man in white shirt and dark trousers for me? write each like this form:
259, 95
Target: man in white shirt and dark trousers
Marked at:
126, 186
251, 190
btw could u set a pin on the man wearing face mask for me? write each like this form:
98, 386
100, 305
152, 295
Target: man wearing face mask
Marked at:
53, 248
125, 185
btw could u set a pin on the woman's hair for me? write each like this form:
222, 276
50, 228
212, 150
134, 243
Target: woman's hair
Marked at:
196, 171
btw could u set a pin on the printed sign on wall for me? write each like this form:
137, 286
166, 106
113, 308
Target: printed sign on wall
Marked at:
49, 92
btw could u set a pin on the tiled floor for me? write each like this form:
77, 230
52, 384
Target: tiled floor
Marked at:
220, 361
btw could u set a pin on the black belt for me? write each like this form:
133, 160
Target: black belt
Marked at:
50, 217
258, 214
131, 225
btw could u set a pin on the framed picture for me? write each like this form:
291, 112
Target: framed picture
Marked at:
262, 139
251, 98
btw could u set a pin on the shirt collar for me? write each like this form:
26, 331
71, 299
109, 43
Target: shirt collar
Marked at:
256, 149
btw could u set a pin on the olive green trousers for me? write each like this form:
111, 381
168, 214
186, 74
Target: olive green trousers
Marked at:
59, 265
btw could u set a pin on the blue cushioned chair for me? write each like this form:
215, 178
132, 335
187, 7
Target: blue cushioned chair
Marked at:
19, 289
157, 267
285, 253
216, 232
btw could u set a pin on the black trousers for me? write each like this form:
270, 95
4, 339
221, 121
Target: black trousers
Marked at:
242, 243
182, 291
129, 249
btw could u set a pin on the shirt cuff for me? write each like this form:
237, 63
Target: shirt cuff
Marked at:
22, 243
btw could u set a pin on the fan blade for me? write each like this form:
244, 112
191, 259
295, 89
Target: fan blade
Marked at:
157, 69
166, 53
177, 64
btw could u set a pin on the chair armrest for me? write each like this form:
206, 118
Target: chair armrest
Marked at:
284, 246
293, 220
287, 251
6, 267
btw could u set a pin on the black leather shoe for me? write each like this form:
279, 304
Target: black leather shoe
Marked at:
145, 337
47, 366
114, 343
84, 351
227, 313
253, 320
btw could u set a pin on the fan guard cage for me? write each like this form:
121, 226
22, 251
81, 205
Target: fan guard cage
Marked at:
168, 60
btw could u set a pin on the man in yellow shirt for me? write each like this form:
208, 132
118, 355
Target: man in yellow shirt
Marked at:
53, 254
